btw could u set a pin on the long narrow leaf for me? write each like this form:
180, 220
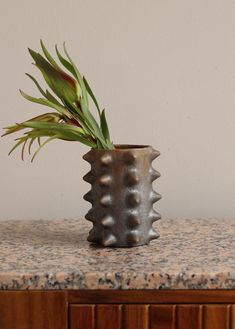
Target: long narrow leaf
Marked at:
37, 84
41, 146
52, 99
46, 102
65, 131
22, 139
30, 144
61, 83
70, 136
49, 57
104, 125
90, 92
23, 148
46, 94
64, 62
78, 76
49, 125
93, 124
53, 117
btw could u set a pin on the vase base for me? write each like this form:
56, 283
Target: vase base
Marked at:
114, 244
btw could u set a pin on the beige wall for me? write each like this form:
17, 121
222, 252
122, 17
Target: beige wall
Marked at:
164, 70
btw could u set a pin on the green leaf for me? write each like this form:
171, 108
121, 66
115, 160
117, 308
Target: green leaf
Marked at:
51, 98
78, 77
12, 129
48, 103
70, 136
49, 57
23, 148
60, 82
41, 146
54, 117
46, 94
37, 84
99, 145
90, 92
50, 125
104, 126
93, 124
22, 140
41, 101
64, 62
63, 130
30, 144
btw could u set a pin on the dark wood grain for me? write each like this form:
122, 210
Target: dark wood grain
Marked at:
189, 316
152, 296
82, 317
162, 316
136, 317
33, 310
232, 317
217, 317
109, 316
154, 309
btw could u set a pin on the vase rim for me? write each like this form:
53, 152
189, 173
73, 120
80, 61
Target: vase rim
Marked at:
130, 146
125, 147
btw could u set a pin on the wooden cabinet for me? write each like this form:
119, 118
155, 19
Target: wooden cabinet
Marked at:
146, 309
152, 316
33, 310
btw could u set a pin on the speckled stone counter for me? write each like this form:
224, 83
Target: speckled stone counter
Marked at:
190, 254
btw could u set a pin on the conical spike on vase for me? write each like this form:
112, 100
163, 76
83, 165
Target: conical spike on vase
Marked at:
107, 221
154, 154
91, 215
133, 199
109, 241
132, 237
152, 234
89, 157
154, 216
93, 236
129, 158
89, 196
154, 196
133, 221
106, 200
131, 178
105, 180
89, 177
154, 174
106, 159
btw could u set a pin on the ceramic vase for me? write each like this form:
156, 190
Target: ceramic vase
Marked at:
122, 196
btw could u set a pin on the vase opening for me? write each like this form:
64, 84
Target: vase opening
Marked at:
130, 146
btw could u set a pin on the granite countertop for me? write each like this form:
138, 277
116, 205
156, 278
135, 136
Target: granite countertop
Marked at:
190, 254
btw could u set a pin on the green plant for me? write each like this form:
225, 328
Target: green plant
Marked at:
68, 95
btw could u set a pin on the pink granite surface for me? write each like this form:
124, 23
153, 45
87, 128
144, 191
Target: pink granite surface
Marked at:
190, 254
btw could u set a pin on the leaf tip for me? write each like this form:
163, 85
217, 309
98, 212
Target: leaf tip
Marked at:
42, 44
22, 93
30, 51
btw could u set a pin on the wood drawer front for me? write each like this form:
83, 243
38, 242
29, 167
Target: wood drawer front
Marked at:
121, 316
33, 310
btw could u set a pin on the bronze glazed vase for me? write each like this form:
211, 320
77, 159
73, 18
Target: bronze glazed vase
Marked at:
122, 196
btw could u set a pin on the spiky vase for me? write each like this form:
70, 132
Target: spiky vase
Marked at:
122, 196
